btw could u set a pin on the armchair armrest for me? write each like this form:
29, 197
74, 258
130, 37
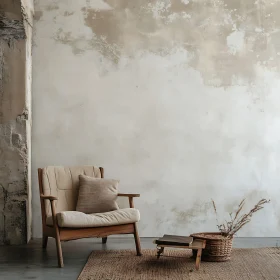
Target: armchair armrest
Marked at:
129, 194
130, 197
51, 198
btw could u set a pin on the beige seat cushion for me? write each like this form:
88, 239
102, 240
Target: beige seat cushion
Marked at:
97, 195
75, 219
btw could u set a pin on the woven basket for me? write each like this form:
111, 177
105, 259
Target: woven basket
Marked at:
217, 249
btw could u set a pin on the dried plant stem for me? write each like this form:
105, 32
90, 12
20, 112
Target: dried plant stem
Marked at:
228, 229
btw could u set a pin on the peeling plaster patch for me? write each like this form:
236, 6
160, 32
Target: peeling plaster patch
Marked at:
105, 34
67, 14
23, 116
100, 5
51, 7
159, 8
130, 27
186, 2
185, 15
78, 45
38, 15
11, 28
235, 41
16, 140
172, 17
215, 82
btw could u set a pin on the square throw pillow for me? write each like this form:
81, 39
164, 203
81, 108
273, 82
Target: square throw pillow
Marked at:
97, 195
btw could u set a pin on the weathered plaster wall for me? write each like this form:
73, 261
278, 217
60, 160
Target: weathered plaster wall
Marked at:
179, 99
15, 96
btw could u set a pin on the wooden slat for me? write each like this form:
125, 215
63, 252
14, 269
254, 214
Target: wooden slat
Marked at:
102, 172
131, 202
48, 197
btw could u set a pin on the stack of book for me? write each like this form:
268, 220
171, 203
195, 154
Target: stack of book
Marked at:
175, 240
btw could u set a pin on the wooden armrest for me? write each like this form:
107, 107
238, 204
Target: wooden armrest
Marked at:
48, 197
129, 194
51, 199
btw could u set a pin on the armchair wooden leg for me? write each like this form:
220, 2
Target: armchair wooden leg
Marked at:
137, 240
59, 252
45, 241
104, 240
57, 236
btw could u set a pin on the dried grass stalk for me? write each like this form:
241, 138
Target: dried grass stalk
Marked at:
228, 229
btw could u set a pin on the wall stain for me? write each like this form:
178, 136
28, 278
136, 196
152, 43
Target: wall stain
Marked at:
38, 15
67, 14
51, 7
183, 217
67, 39
201, 28
133, 26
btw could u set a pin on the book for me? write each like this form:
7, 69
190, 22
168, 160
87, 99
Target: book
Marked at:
174, 240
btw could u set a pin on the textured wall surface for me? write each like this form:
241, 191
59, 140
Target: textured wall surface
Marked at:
179, 99
15, 91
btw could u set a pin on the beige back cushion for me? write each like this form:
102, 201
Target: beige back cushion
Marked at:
63, 182
97, 195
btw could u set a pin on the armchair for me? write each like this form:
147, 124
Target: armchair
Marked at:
58, 195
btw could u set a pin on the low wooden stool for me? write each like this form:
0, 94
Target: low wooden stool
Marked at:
175, 241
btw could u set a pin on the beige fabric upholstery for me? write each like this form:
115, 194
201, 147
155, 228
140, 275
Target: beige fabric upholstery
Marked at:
97, 195
63, 182
75, 219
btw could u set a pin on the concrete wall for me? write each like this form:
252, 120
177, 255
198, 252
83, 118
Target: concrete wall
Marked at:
179, 99
15, 99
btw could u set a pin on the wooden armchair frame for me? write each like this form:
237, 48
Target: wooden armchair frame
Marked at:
66, 234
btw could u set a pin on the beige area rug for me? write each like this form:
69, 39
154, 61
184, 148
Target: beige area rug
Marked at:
256, 264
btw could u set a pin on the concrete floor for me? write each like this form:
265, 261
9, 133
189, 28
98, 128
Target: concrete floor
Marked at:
32, 262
